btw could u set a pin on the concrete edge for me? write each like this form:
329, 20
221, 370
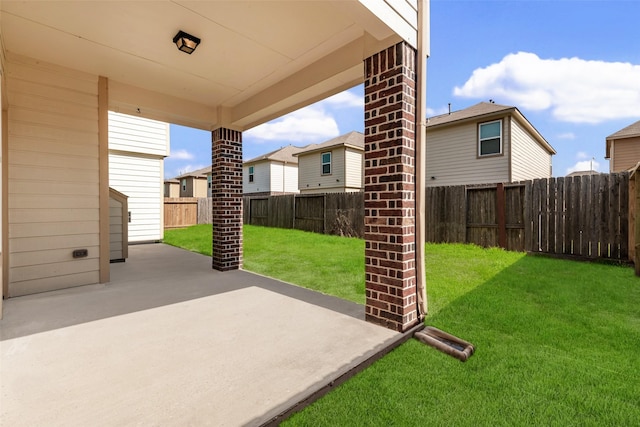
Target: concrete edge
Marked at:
297, 404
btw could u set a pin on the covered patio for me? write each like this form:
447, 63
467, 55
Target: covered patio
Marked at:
169, 341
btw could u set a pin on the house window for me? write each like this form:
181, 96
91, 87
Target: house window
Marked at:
490, 138
326, 163
250, 173
209, 181
184, 184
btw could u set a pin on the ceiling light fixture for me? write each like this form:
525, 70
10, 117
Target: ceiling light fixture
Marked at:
186, 42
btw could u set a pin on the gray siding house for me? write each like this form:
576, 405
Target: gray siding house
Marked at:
485, 143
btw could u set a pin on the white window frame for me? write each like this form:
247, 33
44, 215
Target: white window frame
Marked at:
251, 173
183, 184
480, 139
323, 163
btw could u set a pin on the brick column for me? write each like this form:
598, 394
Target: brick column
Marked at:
226, 187
389, 185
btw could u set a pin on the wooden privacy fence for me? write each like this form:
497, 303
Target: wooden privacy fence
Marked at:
180, 212
328, 213
585, 216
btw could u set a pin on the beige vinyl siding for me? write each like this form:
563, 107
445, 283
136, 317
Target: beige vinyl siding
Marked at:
283, 178
354, 169
261, 178
291, 178
200, 187
529, 160
140, 178
310, 178
452, 157
2, 169
115, 229
400, 15
53, 177
138, 135
625, 153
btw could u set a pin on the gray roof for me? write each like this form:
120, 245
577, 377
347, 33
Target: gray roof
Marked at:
488, 109
200, 173
583, 173
480, 109
352, 139
628, 132
284, 155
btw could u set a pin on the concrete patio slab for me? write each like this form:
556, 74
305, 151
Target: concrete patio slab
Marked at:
171, 342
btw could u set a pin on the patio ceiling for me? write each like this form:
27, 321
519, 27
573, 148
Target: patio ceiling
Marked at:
257, 60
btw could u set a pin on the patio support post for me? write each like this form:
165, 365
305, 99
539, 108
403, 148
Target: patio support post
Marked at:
389, 197
226, 187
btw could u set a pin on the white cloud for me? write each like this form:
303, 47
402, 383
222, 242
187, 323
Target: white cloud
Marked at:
309, 124
344, 99
585, 165
574, 89
431, 112
181, 155
566, 135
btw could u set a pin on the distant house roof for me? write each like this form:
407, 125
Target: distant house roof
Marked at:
171, 181
284, 155
487, 110
200, 173
352, 139
582, 173
628, 132
631, 131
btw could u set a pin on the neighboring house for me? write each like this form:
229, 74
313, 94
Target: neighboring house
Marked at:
335, 166
582, 173
272, 173
195, 184
623, 148
171, 188
137, 148
485, 143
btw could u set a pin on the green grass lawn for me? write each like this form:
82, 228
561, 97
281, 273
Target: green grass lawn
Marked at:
557, 341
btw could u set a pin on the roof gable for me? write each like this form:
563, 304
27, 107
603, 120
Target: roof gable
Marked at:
352, 139
630, 131
488, 110
284, 155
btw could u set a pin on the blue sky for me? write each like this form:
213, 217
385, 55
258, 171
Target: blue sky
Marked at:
571, 67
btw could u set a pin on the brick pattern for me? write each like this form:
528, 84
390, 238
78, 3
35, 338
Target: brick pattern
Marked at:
389, 179
226, 186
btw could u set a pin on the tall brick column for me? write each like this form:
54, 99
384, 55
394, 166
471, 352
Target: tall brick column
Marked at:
226, 186
389, 185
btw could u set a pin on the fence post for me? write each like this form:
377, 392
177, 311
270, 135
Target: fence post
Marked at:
500, 213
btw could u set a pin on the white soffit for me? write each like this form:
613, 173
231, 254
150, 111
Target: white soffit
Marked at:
306, 49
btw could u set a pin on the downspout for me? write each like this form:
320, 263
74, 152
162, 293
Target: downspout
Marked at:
421, 138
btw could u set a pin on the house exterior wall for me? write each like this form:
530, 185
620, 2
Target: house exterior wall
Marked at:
310, 178
625, 153
283, 178
53, 161
354, 169
261, 178
137, 147
529, 160
399, 15
3, 180
171, 189
452, 157
200, 187
140, 178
